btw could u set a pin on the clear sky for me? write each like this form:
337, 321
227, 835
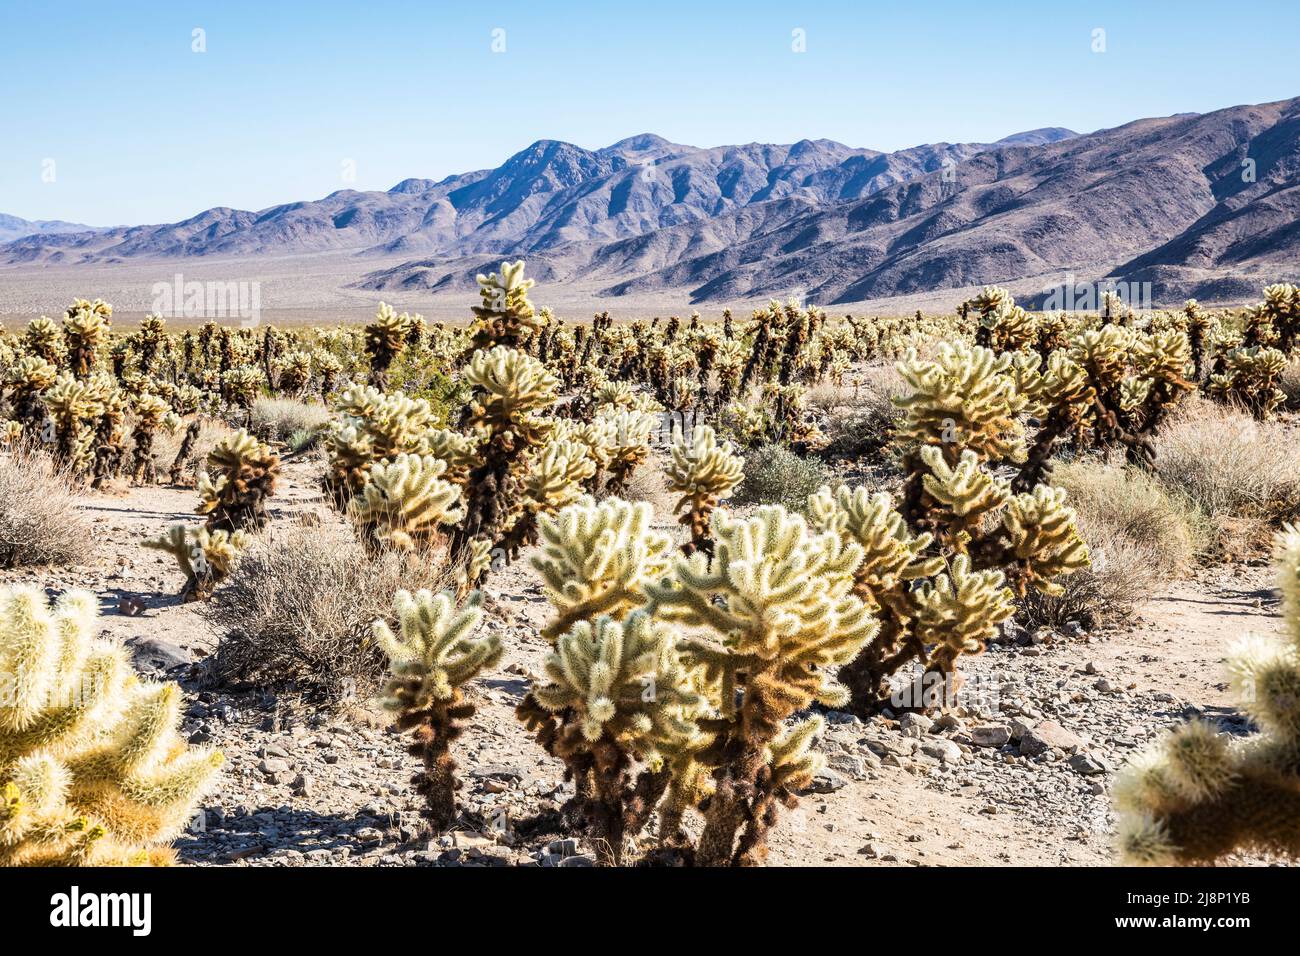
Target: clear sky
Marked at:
290, 97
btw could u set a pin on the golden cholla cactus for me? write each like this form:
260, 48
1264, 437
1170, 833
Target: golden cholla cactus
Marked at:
373, 425
510, 388
85, 328
72, 405
1043, 542
92, 768
295, 371
1196, 795
386, 338
961, 494
1250, 379
960, 611
246, 473
150, 412
205, 557
433, 655
242, 384
991, 300
963, 399
513, 386
553, 480
596, 438
628, 446
43, 339
619, 708
459, 451
704, 472
406, 503
597, 559
24, 381
328, 368
506, 316
769, 619
892, 555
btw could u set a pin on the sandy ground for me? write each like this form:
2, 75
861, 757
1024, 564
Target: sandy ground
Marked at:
303, 788
312, 290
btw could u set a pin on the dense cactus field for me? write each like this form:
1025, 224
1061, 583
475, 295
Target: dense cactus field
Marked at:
738, 543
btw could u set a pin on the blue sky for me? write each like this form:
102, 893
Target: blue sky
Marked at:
143, 129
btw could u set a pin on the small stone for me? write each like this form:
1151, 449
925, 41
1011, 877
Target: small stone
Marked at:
563, 848
369, 835
990, 735
1087, 764
915, 725
944, 750
826, 781
1048, 735
874, 851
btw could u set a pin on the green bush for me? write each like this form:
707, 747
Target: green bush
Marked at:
774, 475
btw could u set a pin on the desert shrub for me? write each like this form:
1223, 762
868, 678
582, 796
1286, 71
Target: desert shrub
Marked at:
649, 484
1139, 534
420, 373
279, 419
1242, 473
774, 475
298, 611
860, 419
40, 520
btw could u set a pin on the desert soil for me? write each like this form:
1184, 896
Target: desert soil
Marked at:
1021, 774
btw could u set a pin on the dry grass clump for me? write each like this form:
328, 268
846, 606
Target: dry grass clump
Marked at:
167, 444
287, 419
860, 419
297, 613
1139, 535
649, 484
40, 521
1242, 473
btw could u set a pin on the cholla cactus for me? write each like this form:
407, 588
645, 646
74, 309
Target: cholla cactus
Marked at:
770, 618
150, 412
617, 697
506, 316
964, 399
553, 480
73, 405
295, 371
24, 381
1003, 325
328, 368
246, 476
92, 769
511, 388
597, 559
386, 338
704, 473
242, 384
1251, 379
1196, 795
85, 328
433, 656
205, 557
406, 503
110, 433
43, 339
628, 445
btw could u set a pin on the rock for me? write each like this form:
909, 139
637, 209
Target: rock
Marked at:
1105, 686
563, 848
303, 786
850, 764
874, 851
155, 655
1087, 764
835, 717
1048, 735
368, 835
272, 766
990, 735
944, 750
577, 860
915, 725
1019, 728
826, 781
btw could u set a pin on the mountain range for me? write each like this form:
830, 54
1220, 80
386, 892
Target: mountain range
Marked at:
1196, 204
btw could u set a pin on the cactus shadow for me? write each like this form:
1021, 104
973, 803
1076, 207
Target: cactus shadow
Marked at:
121, 602
216, 838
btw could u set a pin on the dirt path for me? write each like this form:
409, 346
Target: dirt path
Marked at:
303, 788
